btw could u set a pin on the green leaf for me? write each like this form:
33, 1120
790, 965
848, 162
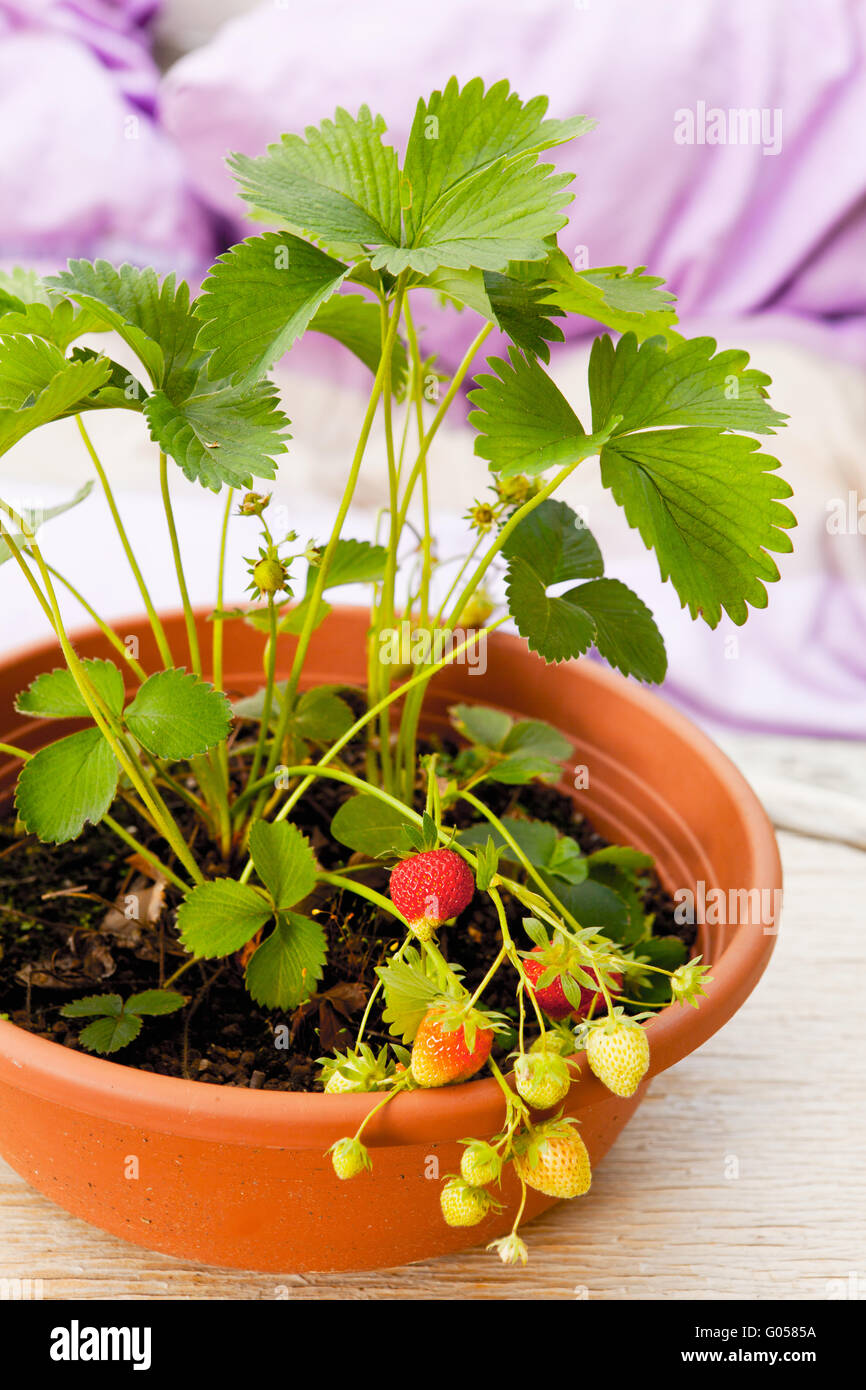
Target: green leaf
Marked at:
568, 861
219, 917
110, 1034
536, 737
54, 694
20, 287
154, 1001
625, 631
481, 724
339, 185
35, 518
102, 1004
525, 424
551, 546
523, 768
221, 434
154, 319
626, 301
706, 503
667, 952
368, 825
536, 838
474, 193
356, 323
622, 857
176, 715
59, 323
38, 384
321, 715
556, 544
296, 616
514, 302
257, 301
353, 562
283, 861
67, 785
544, 846
409, 992
595, 905
650, 385
287, 966
122, 390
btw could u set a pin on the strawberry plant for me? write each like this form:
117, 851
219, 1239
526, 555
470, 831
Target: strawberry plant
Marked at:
209, 795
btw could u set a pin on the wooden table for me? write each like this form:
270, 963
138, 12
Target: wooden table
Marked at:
741, 1177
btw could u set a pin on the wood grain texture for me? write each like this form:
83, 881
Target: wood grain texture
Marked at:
741, 1176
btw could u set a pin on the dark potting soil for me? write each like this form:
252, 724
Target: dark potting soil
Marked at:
88, 918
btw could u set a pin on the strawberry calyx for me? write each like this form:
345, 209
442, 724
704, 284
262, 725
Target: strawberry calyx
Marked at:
361, 1069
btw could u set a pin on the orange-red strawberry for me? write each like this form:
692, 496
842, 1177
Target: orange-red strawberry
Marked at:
552, 998
430, 888
449, 1046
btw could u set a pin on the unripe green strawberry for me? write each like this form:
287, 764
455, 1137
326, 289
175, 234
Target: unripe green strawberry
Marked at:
480, 1164
476, 611
618, 1053
269, 575
542, 1079
349, 1157
462, 1204
555, 1161
357, 1069
441, 1053
430, 888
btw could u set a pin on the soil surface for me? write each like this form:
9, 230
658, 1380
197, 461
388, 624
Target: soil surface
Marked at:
87, 918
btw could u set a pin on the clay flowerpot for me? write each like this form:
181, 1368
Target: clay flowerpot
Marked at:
237, 1177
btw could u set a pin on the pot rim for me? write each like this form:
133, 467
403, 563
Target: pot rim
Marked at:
110, 1090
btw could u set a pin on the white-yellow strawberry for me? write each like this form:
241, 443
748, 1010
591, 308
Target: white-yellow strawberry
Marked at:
618, 1053
555, 1161
464, 1205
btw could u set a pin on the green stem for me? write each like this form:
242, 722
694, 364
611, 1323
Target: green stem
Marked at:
270, 676
17, 555
107, 726
189, 616
15, 752
218, 623
153, 616
361, 723
145, 853
110, 636
519, 855
351, 885
342, 511
503, 954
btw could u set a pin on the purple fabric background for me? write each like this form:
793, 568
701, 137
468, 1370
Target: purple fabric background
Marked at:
100, 156
733, 230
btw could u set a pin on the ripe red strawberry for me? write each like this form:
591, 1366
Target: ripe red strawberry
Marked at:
430, 888
441, 1053
552, 997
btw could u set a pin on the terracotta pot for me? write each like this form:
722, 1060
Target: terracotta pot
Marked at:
238, 1178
